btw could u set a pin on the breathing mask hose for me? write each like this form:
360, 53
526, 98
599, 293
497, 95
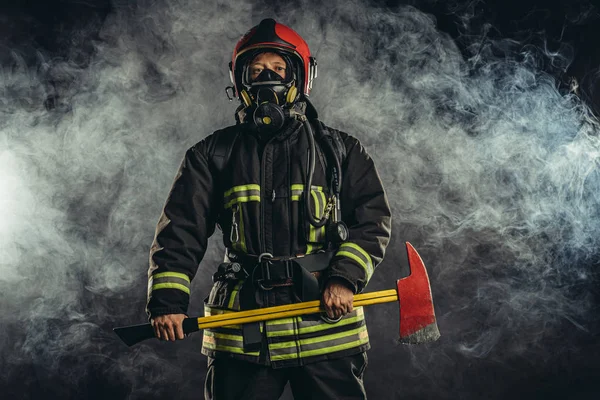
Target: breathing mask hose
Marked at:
311, 170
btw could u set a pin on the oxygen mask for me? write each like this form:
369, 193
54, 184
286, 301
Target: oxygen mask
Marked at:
269, 100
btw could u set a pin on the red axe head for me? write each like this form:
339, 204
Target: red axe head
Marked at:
417, 317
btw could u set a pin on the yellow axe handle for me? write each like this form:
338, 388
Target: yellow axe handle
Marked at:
289, 310
131, 335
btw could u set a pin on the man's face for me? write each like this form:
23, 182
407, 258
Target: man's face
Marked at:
271, 61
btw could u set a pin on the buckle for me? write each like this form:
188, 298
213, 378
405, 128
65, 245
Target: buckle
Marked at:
266, 262
264, 266
263, 255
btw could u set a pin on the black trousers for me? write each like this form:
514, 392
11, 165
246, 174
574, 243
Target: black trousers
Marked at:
342, 378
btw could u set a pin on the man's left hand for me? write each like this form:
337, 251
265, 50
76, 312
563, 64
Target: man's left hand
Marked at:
337, 298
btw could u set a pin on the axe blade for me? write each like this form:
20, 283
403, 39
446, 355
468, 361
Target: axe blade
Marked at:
417, 317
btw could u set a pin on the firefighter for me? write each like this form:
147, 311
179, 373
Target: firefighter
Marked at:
304, 216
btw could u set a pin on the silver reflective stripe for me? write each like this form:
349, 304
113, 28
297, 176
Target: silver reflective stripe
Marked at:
298, 188
241, 194
316, 236
303, 326
319, 345
319, 342
169, 280
358, 255
237, 195
208, 311
230, 342
283, 326
225, 342
224, 339
356, 316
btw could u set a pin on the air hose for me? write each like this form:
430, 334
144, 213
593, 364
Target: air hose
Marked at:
336, 176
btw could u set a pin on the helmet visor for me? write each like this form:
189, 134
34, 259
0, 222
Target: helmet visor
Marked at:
285, 70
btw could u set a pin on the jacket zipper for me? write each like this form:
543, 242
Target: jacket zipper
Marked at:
262, 245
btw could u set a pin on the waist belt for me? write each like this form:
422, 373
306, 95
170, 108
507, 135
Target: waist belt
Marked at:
266, 267
264, 272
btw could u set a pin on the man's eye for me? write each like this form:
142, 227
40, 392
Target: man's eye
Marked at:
280, 69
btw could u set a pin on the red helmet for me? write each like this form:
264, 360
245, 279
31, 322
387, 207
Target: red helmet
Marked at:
270, 35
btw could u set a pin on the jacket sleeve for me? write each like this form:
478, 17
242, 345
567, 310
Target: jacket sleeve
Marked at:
366, 212
181, 237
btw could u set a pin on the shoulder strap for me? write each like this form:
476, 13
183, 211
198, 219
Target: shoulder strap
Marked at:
336, 139
222, 146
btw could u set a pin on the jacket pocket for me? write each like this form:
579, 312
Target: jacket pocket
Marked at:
236, 200
225, 295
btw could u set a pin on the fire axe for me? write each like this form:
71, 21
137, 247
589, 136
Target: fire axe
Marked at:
417, 316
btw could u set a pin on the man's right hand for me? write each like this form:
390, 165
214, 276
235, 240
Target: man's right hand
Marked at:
168, 327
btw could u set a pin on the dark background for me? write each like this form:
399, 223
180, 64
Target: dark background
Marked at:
569, 26
548, 354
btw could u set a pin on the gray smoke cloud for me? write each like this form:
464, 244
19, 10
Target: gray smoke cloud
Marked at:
491, 171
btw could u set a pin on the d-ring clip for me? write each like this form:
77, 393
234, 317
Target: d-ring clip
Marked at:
325, 318
260, 257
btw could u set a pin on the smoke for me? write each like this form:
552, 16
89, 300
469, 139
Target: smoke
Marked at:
490, 169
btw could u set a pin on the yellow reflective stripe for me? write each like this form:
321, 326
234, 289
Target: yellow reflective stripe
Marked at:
332, 349
284, 357
316, 328
171, 275
300, 186
281, 321
210, 341
244, 199
325, 338
357, 248
313, 231
296, 197
171, 286
364, 261
354, 257
316, 235
356, 331
322, 229
236, 338
241, 194
229, 349
363, 339
240, 188
234, 292
208, 311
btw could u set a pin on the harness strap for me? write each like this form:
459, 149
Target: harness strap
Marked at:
264, 273
311, 262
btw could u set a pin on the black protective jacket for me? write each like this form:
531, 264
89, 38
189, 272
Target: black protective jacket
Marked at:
257, 202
